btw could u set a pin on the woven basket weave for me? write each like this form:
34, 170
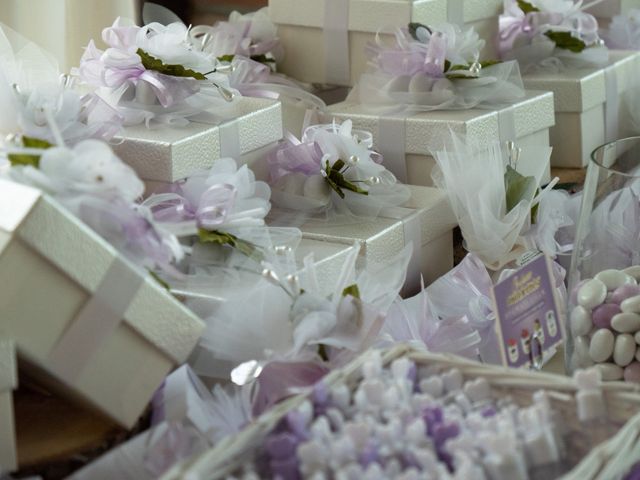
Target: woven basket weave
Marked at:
611, 460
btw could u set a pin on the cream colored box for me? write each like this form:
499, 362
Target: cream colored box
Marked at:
63, 287
8, 383
167, 154
427, 220
317, 46
408, 143
589, 105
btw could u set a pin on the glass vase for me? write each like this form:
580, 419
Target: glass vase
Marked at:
604, 303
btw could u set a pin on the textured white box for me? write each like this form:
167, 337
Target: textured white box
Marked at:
8, 383
300, 29
167, 154
580, 101
51, 265
427, 132
382, 238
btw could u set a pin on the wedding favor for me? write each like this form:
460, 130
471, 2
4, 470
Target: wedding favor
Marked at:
8, 383
590, 104
325, 41
111, 333
166, 154
408, 141
426, 221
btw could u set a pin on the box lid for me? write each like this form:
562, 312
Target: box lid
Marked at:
372, 15
580, 90
85, 257
168, 153
427, 131
385, 234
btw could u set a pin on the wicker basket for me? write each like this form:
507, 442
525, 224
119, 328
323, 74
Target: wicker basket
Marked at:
611, 460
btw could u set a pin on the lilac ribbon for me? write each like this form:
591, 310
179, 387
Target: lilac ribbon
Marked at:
97, 320
436, 55
294, 156
213, 209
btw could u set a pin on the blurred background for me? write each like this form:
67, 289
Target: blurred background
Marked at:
208, 11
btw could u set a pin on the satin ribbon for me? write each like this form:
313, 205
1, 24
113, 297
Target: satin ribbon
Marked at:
455, 12
392, 144
94, 324
336, 42
213, 210
507, 125
611, 105
8, 382
412, 231
8, 372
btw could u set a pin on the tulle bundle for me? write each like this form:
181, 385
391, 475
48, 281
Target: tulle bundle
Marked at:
424, 69
153, 73
493, 205
551, 35
333, 170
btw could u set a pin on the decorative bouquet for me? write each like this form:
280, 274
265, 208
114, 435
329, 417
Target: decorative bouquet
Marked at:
493, 203
155, 73
624, 31
224, 206
52, 142
551, 35
247, 50
333, 170
438, 68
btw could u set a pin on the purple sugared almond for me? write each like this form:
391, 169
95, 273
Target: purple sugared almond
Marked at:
620, 294
603, 314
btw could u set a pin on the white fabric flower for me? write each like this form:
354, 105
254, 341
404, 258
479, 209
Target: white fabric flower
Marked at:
89, 168
170, 44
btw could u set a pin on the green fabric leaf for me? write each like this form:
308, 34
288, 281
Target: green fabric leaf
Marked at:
518, 187
322, 352
27, 159
352, 290
336, 180
152, 63
160, 281
222, 238
226, 58
413, 29
566, 41
263, 59
526, 7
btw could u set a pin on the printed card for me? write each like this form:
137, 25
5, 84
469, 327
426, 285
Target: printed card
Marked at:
528, 323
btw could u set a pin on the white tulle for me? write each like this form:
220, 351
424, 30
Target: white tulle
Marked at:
287, 319
474, 181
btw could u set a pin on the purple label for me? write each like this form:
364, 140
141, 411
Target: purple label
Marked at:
527, 313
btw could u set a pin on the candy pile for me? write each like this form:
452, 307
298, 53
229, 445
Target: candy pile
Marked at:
605, 323
406, 422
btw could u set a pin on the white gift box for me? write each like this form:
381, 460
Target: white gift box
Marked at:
324, 40
408, 142
589, 106
167, 154
426, 220
8, 383
86, 322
